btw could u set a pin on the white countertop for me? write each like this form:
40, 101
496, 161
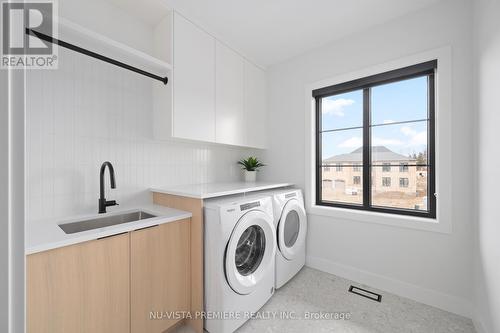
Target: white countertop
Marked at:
47, 235
213, 190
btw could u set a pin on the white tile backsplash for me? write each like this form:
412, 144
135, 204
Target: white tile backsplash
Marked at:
87, 112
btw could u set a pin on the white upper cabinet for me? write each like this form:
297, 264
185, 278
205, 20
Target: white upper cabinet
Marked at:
194, 82
218, 96
229, 91
255, 105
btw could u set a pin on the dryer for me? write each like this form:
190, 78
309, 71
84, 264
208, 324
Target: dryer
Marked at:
290, 222
240, 250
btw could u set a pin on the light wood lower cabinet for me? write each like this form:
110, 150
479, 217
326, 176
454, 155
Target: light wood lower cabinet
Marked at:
160, 276
195, 206
114, 284
81, 288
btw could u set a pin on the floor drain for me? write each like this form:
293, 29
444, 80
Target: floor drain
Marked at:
365, 293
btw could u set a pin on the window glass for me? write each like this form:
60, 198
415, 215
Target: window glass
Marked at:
398, 143
404, 182
408, 192
342, 111
399, 101
399, 137
340, 147
343, 186
386, 181
395, 131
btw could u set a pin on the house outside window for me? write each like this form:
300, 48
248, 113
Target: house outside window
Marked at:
326, 169
379, 127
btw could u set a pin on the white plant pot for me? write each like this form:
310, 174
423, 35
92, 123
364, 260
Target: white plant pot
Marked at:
250, 176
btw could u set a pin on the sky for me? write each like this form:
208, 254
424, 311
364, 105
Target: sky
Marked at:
393, 102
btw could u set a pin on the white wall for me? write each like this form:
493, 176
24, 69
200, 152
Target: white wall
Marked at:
110, 21
88, 112
487, 261
431, 267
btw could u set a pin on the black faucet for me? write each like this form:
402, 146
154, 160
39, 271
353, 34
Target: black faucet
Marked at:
102, 201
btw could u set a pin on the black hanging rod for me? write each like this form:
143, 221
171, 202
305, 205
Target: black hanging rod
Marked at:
94, 55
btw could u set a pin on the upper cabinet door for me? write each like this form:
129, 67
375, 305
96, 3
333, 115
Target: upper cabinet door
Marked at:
194, 82
229, 78
255, 106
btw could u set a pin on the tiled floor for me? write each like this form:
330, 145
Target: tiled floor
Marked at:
315, 292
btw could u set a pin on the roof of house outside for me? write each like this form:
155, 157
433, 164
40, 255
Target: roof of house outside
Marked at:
380, 153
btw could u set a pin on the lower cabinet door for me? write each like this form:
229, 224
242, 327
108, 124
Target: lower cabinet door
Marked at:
160, 277
80, 288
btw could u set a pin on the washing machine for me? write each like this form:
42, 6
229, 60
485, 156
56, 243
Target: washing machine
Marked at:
240, 250
290, 222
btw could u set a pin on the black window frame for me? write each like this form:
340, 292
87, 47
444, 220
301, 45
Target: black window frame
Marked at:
365, 84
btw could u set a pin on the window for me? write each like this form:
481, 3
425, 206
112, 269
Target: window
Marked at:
386, 181
326, 169
375, 125
404, 182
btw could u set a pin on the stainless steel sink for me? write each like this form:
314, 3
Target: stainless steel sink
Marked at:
105, 221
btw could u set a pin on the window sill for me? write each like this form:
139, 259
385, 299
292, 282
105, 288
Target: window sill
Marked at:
411, 222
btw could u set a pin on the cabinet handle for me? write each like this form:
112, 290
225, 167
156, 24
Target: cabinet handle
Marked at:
153, 226
121, 233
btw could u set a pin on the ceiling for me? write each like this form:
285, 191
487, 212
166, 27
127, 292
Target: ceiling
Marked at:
271, 31
149, 11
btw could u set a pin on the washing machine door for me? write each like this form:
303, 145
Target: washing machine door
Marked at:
250, 251
292, 229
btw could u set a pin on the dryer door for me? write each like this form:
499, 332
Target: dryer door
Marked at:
250, 251
292, 229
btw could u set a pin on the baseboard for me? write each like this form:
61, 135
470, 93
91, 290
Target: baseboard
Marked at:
423, 295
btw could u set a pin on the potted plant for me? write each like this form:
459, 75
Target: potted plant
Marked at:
250, 166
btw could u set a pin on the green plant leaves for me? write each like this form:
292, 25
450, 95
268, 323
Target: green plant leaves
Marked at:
251, 163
